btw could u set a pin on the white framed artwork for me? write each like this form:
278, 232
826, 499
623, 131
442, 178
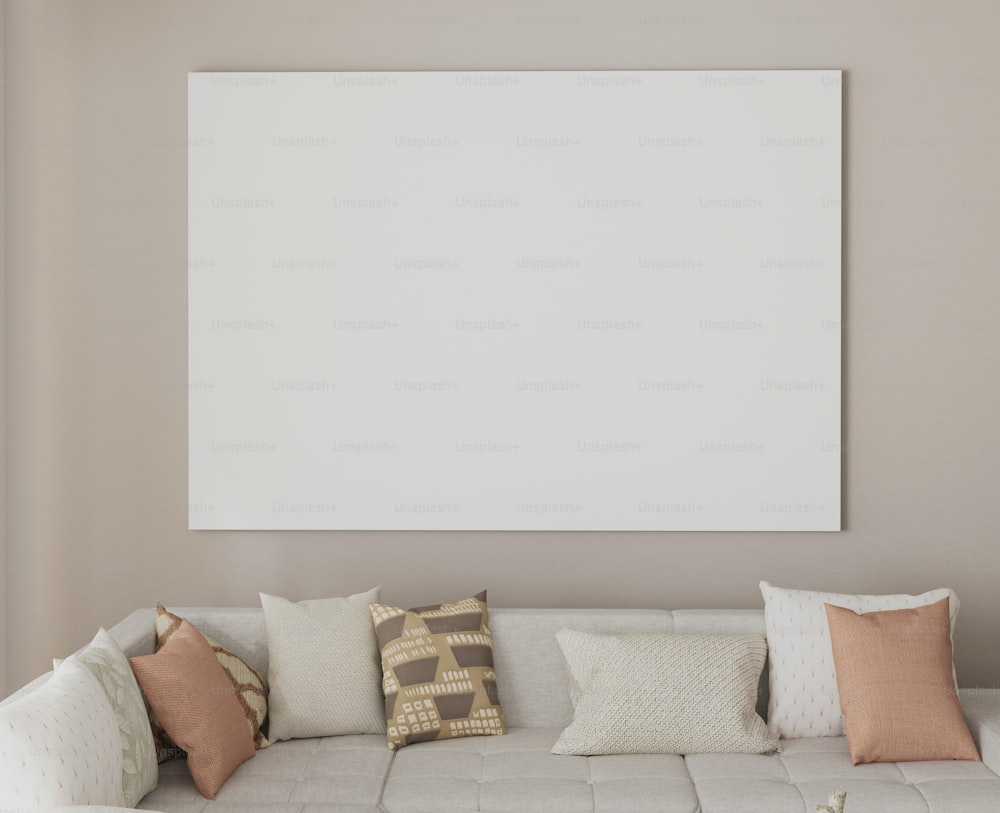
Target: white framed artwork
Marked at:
542, 300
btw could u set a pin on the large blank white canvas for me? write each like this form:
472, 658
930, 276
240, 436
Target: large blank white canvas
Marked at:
515, 301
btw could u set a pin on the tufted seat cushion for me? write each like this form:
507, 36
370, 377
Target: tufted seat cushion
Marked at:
803, 776
518, 774
328, 775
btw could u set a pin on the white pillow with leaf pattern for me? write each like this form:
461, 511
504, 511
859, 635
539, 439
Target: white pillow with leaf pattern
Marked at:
106, 661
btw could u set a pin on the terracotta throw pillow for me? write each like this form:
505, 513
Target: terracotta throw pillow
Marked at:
437, 667
897, 688
194, 698
250, 686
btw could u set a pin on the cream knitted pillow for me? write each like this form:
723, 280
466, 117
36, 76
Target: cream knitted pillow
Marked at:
664, 694
323, 667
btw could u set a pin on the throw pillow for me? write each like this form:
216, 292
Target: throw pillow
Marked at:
60, 745
249, 685
105, 659
193, 697
323, 667
897, 690
437, 671
803, 700
659, 693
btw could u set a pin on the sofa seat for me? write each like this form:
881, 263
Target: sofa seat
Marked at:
807, 770
325, 775
517, 773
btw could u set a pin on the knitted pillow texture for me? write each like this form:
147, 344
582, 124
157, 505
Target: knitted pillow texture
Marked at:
661, 693
437, 671
803, 699
897, 690
322, 667
194, 698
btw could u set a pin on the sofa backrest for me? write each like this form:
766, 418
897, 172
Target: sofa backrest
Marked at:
531, 676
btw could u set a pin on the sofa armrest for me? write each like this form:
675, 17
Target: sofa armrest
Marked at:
982, 713
136, 632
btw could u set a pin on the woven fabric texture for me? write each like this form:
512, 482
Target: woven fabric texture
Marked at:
249, 685
437, 671
323, 667
897, 694
664, 694
193, 697
803, 700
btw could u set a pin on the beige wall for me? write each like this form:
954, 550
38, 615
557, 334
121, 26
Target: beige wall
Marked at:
96, 309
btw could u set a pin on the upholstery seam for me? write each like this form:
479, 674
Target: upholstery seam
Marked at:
593, 793
902, 773
788, 775
479, 784
788, 779
991, 779
380, 802
927, 802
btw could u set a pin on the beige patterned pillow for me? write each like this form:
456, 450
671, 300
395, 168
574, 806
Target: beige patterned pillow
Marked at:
659, 693
437, 667
250, 686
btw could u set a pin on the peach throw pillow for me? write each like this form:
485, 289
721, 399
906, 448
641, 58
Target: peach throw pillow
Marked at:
897, 688
194, 699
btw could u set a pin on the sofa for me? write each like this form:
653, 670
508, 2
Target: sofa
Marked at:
517, 773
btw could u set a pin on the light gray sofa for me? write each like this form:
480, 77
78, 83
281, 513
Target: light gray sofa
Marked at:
517, 774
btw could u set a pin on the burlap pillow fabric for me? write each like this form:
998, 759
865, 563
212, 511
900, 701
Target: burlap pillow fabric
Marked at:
194, 699
250, 687
437, 668
897, 690
659, 693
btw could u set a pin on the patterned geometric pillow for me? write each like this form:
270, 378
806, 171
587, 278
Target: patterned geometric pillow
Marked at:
251, 688
437, 671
